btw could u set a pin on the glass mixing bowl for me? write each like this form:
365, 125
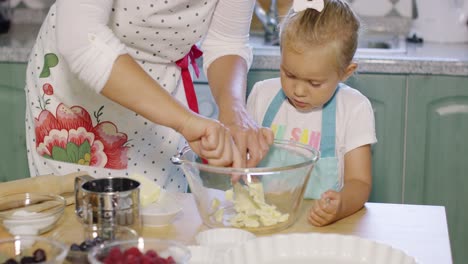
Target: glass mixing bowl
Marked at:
264, 199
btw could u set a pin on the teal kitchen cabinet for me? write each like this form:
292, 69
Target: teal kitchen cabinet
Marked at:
387, 96
13, 159
437, 151
206, 103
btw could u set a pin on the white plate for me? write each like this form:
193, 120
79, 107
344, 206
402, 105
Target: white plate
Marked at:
162, 212
315, 248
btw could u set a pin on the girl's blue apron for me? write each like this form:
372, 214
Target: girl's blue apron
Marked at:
325, 175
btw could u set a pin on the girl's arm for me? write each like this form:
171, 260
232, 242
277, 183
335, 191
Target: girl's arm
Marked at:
357, 181
333, 206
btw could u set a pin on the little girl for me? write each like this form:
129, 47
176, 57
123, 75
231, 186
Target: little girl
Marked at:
310, 104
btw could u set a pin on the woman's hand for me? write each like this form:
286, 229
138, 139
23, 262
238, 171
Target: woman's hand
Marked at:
211, 140
252, 141
325, 210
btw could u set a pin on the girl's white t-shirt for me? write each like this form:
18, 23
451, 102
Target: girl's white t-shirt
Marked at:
355, 125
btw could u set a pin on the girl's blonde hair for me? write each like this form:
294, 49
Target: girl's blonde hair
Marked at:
336, 26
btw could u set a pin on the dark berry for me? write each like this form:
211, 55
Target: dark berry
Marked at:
39, 255
11, 261
75, 247
86, 245
98, 240
27, 260
83, 246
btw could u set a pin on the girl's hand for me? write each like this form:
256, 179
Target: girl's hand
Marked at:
325, 210
212, 141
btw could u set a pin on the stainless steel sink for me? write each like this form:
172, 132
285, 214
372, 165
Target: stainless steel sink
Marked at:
369, 44
378, 43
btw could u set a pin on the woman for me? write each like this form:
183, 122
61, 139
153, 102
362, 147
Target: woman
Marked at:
108, 84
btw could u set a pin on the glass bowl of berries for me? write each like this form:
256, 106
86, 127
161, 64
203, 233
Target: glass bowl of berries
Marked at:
141, 250
32, 249
81, 242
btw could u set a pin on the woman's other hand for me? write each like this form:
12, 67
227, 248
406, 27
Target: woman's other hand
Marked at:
325, 210
212, 141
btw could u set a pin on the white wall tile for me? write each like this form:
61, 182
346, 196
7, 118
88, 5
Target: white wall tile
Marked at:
372, 7
404, 7
382, 7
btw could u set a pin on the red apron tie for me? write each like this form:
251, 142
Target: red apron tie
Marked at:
183, 64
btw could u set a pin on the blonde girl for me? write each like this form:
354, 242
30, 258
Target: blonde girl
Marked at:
310, 104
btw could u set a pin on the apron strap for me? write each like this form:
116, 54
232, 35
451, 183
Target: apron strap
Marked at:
273, 108
183, 64
328, 134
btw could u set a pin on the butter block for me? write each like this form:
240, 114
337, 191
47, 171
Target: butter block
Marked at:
149, 190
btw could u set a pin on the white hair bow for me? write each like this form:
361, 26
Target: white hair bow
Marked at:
301, 5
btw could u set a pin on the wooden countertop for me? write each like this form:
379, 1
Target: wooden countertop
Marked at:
419, 230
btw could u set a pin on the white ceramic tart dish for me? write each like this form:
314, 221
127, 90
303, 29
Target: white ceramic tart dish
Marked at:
214, 243
204, 255
315, 248
222, 239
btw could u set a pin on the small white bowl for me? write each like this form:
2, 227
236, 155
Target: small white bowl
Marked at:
223, 238
162, 212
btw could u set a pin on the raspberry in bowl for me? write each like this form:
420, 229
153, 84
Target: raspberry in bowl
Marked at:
141, 250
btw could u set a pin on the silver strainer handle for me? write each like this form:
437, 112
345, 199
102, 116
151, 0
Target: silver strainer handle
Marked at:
176, 159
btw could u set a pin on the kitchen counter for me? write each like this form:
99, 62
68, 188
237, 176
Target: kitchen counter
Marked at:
427, 58
420, 231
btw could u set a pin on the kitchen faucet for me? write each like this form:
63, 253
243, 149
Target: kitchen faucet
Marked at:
269, 21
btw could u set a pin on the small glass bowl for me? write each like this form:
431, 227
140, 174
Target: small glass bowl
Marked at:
24, 247
164, 248
30, 213
80, 243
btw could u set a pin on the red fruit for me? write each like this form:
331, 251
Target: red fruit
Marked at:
48, 89
114, 254
145, 259
170, 260
132, 259
151, 253
132, 251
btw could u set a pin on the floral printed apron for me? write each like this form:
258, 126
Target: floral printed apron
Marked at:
325, 175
